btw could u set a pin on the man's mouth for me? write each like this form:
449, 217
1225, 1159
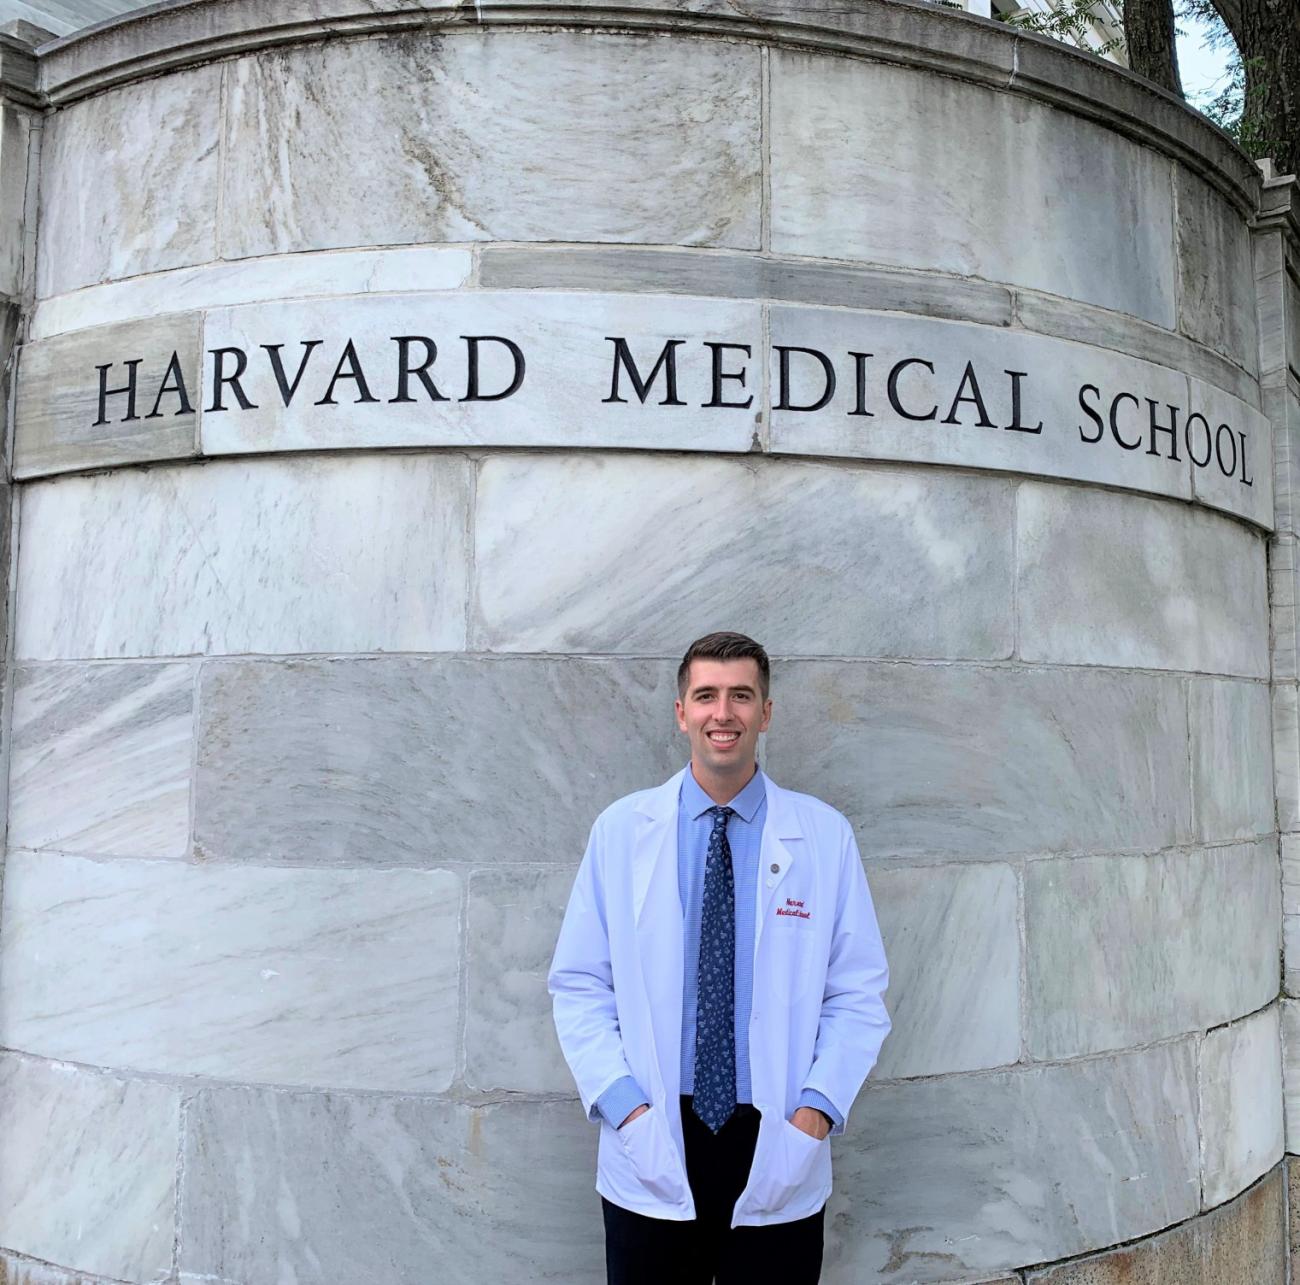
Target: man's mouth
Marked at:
723, 738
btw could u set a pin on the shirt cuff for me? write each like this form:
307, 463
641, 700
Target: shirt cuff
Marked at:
811, 1098
620, 1100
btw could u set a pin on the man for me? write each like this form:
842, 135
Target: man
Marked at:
718, 987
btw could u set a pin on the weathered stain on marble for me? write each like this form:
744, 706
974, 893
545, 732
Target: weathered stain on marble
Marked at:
559, 137
806, 558
1240, 1080
980, 762
363, 553
953, 944
1124, 950
1157, 586
1232, 758
416, 761
338, 978
58, 406
1241, 1243
894, 166
121, 195
951, 1179
1215, 269
100, 759
322, 1188
88, 1178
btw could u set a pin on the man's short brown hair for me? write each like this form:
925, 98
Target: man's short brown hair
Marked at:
725, 646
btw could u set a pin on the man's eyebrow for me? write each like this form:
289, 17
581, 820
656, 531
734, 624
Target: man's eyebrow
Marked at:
712, 687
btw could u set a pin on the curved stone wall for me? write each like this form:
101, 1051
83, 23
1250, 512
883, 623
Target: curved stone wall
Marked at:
389, 421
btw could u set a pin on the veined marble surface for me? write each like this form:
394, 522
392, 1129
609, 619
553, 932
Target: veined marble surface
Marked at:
1216, 292
953, 943
417, 761
1241, 1105
978, 762
100, 759
322, 1188
346, 554
963, 1177
1124, 950
343, 978
1232, 758
267, 279
559, 136
810, 558
113, 199
88, 1174
1158, 587
891, 166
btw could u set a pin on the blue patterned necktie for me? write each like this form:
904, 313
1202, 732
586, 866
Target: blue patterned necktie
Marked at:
715, 1022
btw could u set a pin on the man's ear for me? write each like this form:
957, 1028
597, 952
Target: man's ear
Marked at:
680, 710
767, 715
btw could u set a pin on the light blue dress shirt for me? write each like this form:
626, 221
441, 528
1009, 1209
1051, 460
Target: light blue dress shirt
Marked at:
744, 835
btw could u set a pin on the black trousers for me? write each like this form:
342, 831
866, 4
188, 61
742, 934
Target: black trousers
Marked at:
658, 1251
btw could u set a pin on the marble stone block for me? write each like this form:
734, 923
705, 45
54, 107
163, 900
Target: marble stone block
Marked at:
1290, 1019
324, 1188
807, 558
89, 1169
326, 977
1240, 1080
1157, 586
1284, 599
884, 164
1239, 452
1232, 758
1286, 755
56, 415
953, 943
100, 759
514, 920
978, 762
15, 194
120, 195
269, 279
1291, 955
405, 761
566, 363
1241, 1243
466, 132
1216, 279
963, 1176
359, 553
1124, 950
922, 405
1290, 853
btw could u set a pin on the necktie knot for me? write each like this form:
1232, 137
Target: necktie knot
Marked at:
720, 816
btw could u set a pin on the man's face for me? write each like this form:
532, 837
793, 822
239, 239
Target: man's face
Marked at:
722, 714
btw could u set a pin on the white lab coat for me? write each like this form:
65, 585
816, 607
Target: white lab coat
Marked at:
818, 1018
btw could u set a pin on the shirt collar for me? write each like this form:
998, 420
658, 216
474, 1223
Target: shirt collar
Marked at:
696, 803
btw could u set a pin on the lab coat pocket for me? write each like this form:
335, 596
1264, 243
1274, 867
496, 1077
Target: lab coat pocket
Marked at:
652, 1155
796, 1153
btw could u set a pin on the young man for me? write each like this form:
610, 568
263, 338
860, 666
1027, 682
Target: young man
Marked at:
718, 986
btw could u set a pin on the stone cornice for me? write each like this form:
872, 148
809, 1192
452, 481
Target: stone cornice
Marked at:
173, 35
17, 72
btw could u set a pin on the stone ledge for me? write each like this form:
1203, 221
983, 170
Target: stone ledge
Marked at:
167, 37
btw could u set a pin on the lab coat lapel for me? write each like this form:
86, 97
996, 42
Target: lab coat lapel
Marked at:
781, 848
657, 911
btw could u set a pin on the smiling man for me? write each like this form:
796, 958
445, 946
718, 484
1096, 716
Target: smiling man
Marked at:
718, 990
